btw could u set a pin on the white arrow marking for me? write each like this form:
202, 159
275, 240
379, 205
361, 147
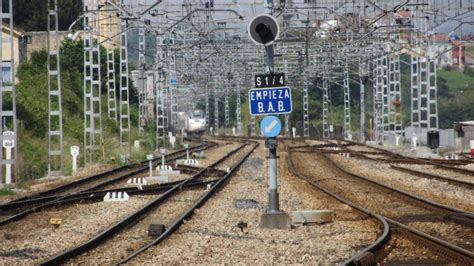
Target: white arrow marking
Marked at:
271, 126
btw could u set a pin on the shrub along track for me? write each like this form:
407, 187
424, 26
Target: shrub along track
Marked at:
129, 237
79, 189
447, 231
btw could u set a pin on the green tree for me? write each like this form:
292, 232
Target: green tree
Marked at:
31, 15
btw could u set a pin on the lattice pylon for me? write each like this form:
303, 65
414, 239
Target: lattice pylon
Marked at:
424, 93
92, 87
55, 121
226, 111
347, 106
216, 112
124, 97
141, 80
380, 83
111, 88
159, 86
207, 109
8, 119
363, 72
415, 81
238, 113
395, 96
326, 131
305, 110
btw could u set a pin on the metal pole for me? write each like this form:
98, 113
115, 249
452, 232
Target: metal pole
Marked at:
347, 107
273, 196
141, 80
269, 219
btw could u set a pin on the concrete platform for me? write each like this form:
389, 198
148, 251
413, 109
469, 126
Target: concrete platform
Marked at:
277, 220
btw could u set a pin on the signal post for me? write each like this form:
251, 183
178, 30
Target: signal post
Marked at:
270, 97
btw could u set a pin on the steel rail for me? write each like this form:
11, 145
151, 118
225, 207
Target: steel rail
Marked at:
366, 255
109, 232
436, 162
434, 243
92, 178
52, 199
15, 204
175, 225
452, 210
434, 176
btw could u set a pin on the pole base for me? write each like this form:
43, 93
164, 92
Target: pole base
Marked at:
275, 220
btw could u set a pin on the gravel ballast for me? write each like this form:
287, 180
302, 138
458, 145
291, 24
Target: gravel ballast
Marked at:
212, 235
384, 202
28, 241
440, 191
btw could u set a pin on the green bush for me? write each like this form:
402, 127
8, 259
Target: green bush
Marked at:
6, 192
32, 110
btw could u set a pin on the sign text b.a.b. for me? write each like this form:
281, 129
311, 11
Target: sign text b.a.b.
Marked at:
267, 101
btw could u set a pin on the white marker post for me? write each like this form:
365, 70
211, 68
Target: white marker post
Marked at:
293, 129
397, 141
163, 153
233, 131
150, 158
74, 154
172, 141
136, 144
186, 146
8, 145
414, 141
211, 129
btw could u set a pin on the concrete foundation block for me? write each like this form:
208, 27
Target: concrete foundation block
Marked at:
170, 172
137, 181
116, 196
155, 230
159, 178
312, 216
277, 220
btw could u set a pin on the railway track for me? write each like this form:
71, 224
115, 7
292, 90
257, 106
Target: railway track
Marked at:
120, 243
445, 230
398, 158
463, 177
79, 189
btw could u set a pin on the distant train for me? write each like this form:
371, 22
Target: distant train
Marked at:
193, 123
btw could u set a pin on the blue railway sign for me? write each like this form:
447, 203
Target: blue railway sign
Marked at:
267, 101
270, 126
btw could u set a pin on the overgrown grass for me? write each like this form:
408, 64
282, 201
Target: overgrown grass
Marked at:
456, 80
6, 192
